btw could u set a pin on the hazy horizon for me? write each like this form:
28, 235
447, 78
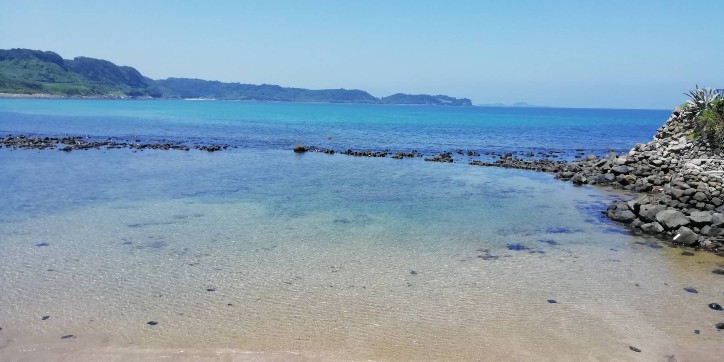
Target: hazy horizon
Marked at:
558, 54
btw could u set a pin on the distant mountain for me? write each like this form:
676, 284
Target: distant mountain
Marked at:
25, 71
197, 88
438, 100
33, 71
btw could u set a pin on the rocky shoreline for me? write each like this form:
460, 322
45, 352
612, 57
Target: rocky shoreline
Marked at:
679, 180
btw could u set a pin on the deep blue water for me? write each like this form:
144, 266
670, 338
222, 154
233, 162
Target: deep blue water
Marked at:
268, 126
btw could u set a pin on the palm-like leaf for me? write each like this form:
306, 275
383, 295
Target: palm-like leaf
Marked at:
699, 100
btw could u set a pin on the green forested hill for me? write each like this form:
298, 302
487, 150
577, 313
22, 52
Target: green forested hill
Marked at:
25, 71
438, 100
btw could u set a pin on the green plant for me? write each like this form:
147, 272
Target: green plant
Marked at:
710, 121
699, 100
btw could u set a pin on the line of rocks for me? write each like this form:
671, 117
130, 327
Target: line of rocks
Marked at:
680, 179
70, 143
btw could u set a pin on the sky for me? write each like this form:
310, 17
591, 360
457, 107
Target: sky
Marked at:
577, 53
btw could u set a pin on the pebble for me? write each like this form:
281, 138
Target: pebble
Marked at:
67, 336
718, 271
210, 289
40, 245
412, 272
152, 323
691, 290
715, 306
696, 331
634, 349
45, 317
720, 325
552, 301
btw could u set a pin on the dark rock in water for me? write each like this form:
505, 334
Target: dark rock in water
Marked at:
67, 336
715, 306
152, 323
687, 253
718, 271
691, 290
299, 149
552, 301
634, 349
720, 325
45, 317
412, 272
517, 247
40, 245
548, 241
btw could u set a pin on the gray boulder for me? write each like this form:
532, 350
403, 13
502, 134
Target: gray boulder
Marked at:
717, 219
671, 219
652, 228
618, 170
685, 236
700, 217
648, 212
625, 216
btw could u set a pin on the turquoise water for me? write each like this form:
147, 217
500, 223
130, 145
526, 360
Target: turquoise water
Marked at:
257, 249
339, 126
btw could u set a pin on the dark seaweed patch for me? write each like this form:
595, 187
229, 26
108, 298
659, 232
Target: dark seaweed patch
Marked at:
650, 244
548, 241
616, 231
517, 247
562, 230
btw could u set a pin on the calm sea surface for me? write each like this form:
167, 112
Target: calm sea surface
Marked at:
258, 253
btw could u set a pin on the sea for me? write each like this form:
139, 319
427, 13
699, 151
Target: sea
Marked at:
259, 253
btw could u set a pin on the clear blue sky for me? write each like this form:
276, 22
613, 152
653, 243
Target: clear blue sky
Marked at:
578, 53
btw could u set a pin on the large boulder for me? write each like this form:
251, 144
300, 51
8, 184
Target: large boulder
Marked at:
652, 228
648, 212
717, 219
700, 217
671, 219
685, 236
618, 170
619, 211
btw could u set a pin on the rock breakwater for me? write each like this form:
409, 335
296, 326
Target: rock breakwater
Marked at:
69, 143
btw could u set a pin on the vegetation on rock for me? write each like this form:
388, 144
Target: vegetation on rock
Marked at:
705, 108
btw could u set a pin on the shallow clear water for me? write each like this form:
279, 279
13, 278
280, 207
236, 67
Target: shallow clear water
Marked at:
329, 257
